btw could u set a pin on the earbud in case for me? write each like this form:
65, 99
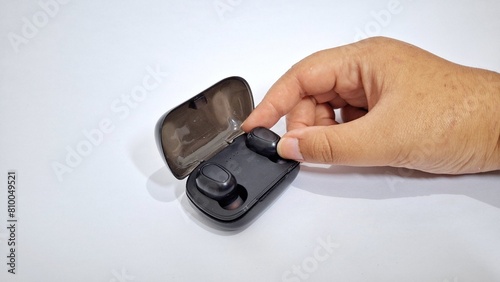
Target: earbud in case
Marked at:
232, 176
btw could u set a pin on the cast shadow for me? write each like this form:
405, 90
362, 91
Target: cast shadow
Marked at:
162, 185
379, 183
375, 183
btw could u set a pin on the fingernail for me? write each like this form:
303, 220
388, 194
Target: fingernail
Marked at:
289, 149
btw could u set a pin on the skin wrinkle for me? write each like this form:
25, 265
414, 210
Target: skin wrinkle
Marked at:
325, 147
337, 102
276, 112
488, 78
366, 85
324, 114
295, 122
352, 96
495, 149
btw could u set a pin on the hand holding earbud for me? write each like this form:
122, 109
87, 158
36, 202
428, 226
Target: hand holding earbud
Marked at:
401, 106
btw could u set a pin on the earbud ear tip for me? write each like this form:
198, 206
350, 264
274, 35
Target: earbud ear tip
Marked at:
234, 204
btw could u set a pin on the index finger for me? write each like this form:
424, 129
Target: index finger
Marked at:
329, 70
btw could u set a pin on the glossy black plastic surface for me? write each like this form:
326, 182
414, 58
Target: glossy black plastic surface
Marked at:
257, 177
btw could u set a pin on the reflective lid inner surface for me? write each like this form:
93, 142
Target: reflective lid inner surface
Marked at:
202, 126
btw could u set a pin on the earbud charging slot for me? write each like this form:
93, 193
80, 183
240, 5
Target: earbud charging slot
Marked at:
236, 201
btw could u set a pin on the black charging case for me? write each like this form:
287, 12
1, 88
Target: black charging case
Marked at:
206, 128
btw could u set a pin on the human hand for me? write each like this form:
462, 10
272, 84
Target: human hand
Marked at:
401, 106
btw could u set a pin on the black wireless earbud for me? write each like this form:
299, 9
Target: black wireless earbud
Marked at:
264, 142
216, 182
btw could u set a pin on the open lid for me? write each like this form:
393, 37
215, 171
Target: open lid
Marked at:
202, 126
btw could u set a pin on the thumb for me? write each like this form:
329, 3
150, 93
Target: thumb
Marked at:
355, 143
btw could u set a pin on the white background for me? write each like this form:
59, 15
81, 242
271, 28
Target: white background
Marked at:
120, 215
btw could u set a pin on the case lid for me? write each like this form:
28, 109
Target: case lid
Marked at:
202, 126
